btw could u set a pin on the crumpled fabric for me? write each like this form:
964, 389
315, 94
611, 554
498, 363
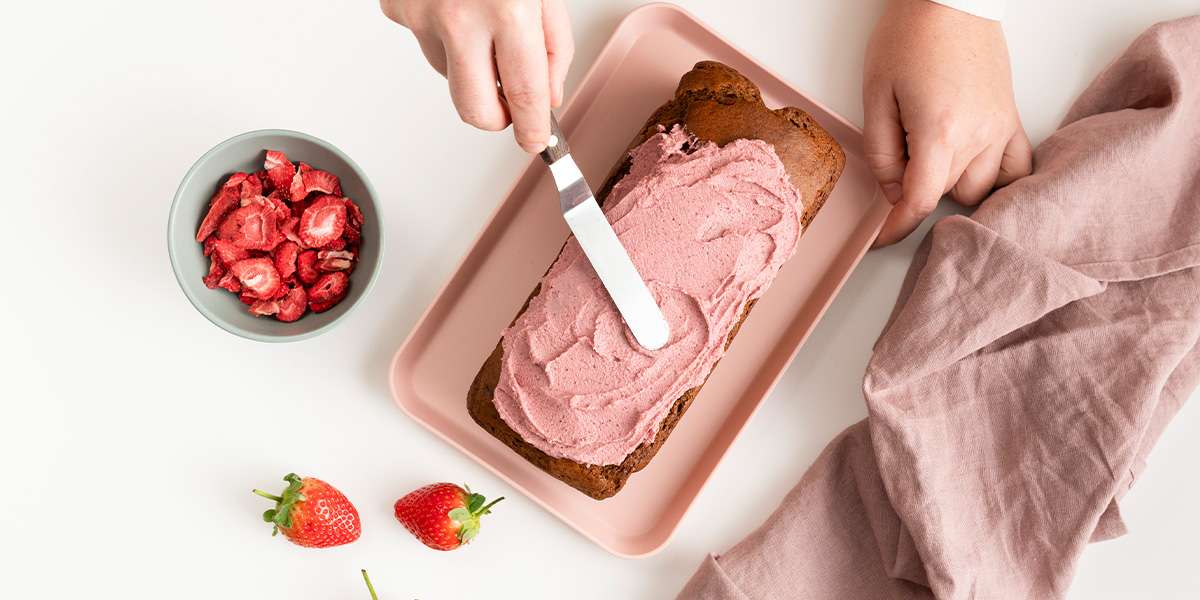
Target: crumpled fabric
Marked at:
1036, 352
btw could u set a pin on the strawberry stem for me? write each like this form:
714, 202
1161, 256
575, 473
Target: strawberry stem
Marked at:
267, 496
484, 510
370, 587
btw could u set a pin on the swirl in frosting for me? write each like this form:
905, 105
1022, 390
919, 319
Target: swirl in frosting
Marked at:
708, 228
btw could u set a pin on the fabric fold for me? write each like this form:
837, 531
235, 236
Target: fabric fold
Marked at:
1036, 352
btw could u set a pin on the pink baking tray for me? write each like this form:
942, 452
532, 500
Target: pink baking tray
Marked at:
636, 71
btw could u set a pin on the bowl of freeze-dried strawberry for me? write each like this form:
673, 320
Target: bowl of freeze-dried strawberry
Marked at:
274, 235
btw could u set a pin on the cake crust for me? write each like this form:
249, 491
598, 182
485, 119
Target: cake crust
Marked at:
715, 103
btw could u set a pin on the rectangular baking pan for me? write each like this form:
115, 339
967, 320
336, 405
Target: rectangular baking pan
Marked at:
636, 71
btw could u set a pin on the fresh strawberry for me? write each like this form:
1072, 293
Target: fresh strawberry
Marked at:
306, 267
328, 291
312, 513
323, 221
285, 258
257, 276
443, 516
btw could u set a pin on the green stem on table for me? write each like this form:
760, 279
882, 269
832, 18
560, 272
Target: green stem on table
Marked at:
370, 587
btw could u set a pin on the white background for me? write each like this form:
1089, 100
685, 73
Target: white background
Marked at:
132, 429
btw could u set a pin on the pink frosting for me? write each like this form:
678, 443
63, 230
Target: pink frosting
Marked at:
708, 228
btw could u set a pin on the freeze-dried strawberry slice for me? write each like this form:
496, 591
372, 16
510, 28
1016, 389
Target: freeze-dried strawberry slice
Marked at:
253, 227
354, 221
250, 187
325, 182
285, 258
263, 308
273, 202
257, 276
334, 260
296, 186
224, 201
227, 251
265, 180
323, 221
247, 298
292, 306
215, 271
338, 244
328, 291
306, 267
280, 171
231, 283
288, 229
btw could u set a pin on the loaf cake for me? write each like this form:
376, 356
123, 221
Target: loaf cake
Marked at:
709, 200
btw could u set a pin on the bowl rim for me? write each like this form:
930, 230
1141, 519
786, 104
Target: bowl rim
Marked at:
174, 214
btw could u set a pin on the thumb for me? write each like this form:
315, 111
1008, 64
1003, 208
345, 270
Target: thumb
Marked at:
883, 142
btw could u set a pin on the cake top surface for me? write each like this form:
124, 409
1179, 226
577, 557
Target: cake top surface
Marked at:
708, 228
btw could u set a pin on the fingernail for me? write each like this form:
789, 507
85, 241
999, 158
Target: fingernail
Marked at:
892, 192
533, 148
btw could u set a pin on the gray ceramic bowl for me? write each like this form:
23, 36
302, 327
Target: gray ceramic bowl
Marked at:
245, 153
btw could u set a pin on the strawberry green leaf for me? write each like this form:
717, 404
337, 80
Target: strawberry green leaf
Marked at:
460, 515
474, 501
468, 532
281, 515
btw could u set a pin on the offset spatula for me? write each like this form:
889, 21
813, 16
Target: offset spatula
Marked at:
599, 242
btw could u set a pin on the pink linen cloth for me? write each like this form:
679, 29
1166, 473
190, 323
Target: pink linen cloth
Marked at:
1035, 354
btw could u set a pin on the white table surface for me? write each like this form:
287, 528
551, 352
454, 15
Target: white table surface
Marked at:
133, 430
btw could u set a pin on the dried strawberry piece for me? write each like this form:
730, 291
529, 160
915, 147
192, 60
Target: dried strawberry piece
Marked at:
280, 170
323, 221
264, 180
216, 270
224, 201
250, 187
257, 276
306, 267
334, 260
253, 227
293, 305
231, 283
296, 187
328, 291
338, 244
227, 251
285, 258
325, 182
247, 298
274, 203
288, 229
263, 308
354, 214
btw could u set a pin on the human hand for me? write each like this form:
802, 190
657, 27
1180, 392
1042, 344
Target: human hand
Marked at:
475, 43
940, 114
